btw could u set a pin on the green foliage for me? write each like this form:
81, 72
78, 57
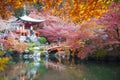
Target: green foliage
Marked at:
31, 46
42, 40
100, 53
31, 49
42, 48
37, 6
116, 1
18, 12
42, 69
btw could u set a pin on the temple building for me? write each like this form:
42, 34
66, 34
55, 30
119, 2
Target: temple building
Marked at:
27, 26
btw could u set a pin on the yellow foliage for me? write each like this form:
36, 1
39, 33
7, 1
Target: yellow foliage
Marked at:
78, 11
3, 62
68, 9
7, 5
2, 78
1, 53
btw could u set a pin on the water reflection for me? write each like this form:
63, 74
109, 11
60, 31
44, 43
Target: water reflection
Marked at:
26, 68
16, 71
61, 69
75, 69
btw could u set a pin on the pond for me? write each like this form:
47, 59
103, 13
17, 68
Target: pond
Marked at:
43, 69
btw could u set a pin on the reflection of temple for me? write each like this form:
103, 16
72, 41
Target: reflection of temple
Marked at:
28, 27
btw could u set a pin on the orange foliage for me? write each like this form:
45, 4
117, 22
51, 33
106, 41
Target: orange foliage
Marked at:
11, 43
77, 11
80, 39
6, 6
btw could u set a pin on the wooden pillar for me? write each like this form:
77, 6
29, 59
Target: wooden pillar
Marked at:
23, 27
31, 27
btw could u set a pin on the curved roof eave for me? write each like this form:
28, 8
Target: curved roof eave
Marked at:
29, 19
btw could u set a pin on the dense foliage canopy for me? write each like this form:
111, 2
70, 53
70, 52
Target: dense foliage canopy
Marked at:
86, 37
93, 35
76, 11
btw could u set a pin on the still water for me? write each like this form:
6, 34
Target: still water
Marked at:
43, 69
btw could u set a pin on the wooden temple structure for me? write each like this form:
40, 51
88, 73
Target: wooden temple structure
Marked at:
27, 26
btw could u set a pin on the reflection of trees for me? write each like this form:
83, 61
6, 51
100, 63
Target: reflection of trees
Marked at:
77, 71
17, 70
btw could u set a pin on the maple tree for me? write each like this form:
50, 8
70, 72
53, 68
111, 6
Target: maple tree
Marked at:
12, 43
57, 31
75, 11
111, 21
75, 36
85, 37
103, 34
5, 25
7, 6
52, 28
97, 34
80, 39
